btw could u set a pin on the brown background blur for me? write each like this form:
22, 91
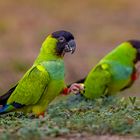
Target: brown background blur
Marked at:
98, 26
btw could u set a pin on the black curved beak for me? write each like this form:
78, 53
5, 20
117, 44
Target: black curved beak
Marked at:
70, 46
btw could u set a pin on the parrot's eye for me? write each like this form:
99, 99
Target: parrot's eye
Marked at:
61, 39
67, 46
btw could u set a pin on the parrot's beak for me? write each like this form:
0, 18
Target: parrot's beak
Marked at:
70, 46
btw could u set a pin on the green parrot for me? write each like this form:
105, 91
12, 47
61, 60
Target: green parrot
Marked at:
44, 80
115, 72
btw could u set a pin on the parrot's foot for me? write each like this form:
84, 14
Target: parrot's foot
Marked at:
34, 116
76, 88
65, 91
41, 115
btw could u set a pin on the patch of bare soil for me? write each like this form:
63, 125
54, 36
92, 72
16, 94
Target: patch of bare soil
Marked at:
85, 136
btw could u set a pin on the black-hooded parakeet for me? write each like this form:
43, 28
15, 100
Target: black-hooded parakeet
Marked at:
44, 80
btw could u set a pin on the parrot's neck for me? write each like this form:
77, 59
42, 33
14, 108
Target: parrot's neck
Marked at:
124, 53
47, 51
127, 51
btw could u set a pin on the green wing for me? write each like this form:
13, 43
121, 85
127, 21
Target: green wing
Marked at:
31, 86
96, 84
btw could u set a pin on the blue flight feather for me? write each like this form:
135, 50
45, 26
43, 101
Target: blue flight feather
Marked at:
6, 108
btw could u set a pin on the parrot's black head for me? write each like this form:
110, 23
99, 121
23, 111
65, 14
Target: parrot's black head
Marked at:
136, 45
65, 42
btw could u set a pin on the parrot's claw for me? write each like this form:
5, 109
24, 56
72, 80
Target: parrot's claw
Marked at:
36, 116
41, 115
76, 88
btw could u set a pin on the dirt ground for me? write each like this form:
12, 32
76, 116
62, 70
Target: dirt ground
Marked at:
92, 137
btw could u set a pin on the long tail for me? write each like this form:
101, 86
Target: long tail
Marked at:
4, 98
78, 81
10, 107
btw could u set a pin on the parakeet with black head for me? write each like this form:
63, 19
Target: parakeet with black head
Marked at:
115, 72
44, 80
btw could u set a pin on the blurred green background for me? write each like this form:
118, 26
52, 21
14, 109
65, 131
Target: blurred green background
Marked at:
98, 26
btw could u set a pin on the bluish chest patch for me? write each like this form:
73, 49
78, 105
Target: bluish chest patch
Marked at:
120, 71
55, 69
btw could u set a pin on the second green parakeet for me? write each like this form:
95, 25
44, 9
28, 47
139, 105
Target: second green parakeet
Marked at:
115, 72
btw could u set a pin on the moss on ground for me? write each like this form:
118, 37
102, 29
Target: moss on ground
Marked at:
111, 115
